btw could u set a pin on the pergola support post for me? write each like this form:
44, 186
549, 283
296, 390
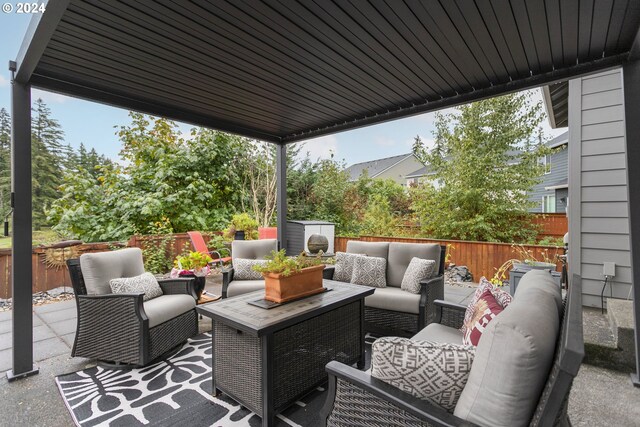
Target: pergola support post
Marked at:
281, 194
631, 79
21, 272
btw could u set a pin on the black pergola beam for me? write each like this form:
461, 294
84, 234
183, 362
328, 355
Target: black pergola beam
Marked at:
281, 194
39, 33
464, 98
631, 79
21, 250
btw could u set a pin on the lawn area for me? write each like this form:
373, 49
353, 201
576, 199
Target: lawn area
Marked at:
43, 236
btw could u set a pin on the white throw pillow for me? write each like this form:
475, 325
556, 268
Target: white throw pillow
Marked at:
146, 282
243, 268
431, 371
370, 271
344, 266
418, 269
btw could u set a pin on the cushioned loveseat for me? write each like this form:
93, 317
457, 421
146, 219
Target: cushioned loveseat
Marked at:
240, 279
520, 373
392, 310
123, 328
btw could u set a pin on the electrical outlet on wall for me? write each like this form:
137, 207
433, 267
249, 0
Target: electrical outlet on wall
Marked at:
609, 269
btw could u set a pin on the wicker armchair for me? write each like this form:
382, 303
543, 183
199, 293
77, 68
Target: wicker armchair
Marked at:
381, 317
120, 330
356, 398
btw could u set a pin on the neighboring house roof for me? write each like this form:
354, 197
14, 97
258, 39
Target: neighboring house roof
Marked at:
425, 170
375, 167
556, 102
559, 140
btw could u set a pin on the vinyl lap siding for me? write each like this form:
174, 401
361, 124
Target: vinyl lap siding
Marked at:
559, 171
599, 223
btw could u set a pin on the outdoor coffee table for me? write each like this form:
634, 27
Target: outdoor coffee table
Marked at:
266, 359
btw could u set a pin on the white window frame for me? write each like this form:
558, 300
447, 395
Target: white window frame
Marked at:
545, 161
545, 200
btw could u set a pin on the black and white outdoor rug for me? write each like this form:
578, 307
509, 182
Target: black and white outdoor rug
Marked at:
175, 391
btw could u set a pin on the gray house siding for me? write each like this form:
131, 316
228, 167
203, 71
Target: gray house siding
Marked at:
598, 210
558, 173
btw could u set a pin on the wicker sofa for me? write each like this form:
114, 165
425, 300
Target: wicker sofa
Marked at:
522, 374
391, 310
247, 249
120, 330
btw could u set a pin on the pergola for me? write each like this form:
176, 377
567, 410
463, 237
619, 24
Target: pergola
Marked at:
284, 71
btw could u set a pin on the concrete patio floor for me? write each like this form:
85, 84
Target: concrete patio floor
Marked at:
599, 396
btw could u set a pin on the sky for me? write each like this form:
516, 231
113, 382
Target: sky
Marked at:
93, 124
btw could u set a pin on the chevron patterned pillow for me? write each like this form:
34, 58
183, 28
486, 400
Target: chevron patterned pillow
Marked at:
243, 268
146, 282
370, 271
344, 266
431, 371
417, 270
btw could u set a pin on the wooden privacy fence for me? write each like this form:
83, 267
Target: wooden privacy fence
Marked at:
482, 258
49, 270
552, 225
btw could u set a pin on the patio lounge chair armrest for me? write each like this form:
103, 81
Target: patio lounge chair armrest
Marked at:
328, 271
103, 320
383, 396
450, 313
178, 285
227, 277
430, 290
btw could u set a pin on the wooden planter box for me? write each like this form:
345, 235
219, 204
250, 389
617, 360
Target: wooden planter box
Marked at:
279, 288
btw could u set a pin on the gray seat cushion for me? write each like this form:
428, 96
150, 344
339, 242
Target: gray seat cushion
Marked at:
394, 299
166, 307
540, 279
439, 333
512, 362
400, 255
99, 268
239, 287
377, 249
253, 249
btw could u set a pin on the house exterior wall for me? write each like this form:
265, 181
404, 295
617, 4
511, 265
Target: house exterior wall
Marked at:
598, 210
558, 172
399, 171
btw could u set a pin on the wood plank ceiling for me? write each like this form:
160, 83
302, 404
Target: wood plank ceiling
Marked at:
281, 70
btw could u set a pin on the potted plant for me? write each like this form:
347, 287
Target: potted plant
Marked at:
526, 261
194, 264
289, 278
241, 227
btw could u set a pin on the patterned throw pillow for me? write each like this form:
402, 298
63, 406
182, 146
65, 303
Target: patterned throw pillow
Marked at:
503, 298
243, 268
344, 266
417, 270
435, 372
146, 282
370, 271
485, 310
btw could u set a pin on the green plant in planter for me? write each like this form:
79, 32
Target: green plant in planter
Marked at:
196, 262
280, 263
242, 222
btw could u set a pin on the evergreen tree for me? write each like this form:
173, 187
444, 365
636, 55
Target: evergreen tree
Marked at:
47, 160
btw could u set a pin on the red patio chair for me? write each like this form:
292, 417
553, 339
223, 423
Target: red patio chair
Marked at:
199, 245
267, 233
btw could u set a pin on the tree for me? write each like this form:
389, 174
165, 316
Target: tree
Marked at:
485, 159
183, 184
47, 160
379, 220
5, 162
